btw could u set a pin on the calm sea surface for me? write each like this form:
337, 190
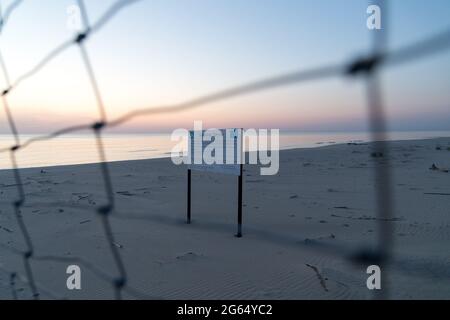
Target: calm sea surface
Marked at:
76, 149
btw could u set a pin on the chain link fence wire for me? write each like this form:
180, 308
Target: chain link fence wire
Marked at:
367, 68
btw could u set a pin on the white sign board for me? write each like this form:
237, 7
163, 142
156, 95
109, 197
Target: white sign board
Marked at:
216, 150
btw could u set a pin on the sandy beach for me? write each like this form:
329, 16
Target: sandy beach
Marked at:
320, 196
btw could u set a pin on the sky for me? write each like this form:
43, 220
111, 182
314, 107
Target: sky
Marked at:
163, 52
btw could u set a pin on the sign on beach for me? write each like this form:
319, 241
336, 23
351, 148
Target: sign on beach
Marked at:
217, 150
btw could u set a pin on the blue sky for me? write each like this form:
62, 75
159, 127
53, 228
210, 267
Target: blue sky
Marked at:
167, 51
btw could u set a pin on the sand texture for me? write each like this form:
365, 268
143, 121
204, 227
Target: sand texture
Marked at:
298, 226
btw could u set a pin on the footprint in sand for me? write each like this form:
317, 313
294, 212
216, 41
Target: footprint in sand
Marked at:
188, 256
125, 193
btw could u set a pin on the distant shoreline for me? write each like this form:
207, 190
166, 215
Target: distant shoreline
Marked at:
318, 145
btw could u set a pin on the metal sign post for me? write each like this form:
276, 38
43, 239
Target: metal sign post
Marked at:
239, 232
189, 197
240, 188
